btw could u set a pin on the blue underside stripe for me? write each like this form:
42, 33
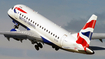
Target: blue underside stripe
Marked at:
28, 28
46, 41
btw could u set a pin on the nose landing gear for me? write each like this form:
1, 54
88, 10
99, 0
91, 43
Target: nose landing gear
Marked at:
16, 26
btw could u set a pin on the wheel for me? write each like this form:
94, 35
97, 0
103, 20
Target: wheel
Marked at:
16, 26
33, 42
53, 46
36, 47
40, 45
56, 48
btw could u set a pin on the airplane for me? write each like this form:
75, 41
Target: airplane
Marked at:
40, 30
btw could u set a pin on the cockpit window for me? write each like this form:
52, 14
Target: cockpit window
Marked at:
12, 7
20, 6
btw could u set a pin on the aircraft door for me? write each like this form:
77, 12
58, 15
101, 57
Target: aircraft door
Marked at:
15, 15
63, 39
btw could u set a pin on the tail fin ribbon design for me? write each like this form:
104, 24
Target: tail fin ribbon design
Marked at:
84, 36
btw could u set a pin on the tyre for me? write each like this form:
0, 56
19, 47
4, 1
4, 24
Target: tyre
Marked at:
36, 47
40, 45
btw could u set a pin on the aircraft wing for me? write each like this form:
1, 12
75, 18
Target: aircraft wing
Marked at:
20, 35
98, 36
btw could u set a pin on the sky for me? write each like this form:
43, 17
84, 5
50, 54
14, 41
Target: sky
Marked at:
69, 14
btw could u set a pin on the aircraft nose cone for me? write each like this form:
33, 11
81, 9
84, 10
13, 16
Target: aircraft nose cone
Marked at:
10, 12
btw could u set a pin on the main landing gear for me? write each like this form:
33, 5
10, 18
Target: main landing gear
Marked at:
38, 45
55, 47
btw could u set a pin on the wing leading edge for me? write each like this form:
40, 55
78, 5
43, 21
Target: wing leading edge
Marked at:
20, 35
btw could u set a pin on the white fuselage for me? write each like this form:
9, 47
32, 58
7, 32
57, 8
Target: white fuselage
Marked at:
45, 28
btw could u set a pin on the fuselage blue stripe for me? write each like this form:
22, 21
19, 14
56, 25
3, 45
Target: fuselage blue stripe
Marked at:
46, 41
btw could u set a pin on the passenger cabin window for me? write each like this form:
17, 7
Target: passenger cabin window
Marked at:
40, 26
24, 16
58, 37
33, 21
46, 30
53, 34
20, 7
20, 13
49, 31
27, 18
37, 24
